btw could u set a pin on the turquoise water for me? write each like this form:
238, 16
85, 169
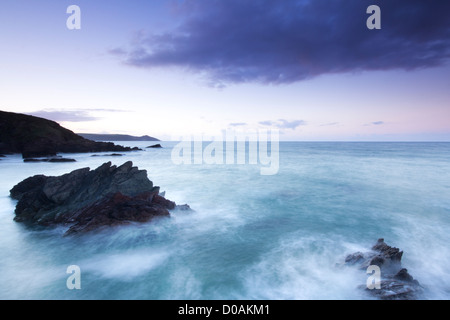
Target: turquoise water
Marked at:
251, 236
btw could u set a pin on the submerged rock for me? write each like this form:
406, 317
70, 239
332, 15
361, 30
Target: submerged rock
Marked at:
108, 155
156, 146
396, 283
52, 160
88, 199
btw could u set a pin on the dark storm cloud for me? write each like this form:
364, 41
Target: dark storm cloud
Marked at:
236, 41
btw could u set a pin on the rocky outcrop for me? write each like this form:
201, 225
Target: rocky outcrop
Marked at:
118, 209
155, 146
52, 160
88, 199
396, 283
108, 155
35, 137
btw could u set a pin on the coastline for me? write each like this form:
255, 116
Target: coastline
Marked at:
324, 203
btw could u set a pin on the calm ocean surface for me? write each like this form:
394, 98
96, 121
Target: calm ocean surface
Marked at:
251, 236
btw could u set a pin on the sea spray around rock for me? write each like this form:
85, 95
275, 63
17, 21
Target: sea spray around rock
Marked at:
88, 199
395, 283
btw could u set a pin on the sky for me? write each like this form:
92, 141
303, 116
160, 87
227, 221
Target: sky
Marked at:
172, 68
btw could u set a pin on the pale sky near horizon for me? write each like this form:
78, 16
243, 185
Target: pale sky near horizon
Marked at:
170, 68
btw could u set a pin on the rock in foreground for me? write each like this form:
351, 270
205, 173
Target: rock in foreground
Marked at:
88, 199
396, 282
117, 209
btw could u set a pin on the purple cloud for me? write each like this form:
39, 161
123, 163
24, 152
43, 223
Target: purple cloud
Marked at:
76, 115
237, 124
329, 124
283, 124
276, 42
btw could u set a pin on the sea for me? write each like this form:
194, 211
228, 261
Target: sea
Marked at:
250, 236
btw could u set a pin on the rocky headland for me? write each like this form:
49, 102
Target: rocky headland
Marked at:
35, 137
85, 199
115, 137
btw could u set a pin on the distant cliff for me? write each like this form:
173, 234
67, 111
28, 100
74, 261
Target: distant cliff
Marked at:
115, 137
37, 137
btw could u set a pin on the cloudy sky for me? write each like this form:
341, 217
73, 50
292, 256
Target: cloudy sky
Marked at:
167, 68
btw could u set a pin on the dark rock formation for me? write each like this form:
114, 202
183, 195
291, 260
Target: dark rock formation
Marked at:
37, 137
49, 160
89, 199
396, 282
117, 209
108, 155
155, 146
183, 207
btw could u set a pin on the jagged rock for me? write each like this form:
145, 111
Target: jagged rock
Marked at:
396, 283
117, 209
156, 146
354, 258
183, 207
90, 198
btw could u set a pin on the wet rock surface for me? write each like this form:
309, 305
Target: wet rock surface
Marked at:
88, 199
396, 283
52, 160
118, 209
